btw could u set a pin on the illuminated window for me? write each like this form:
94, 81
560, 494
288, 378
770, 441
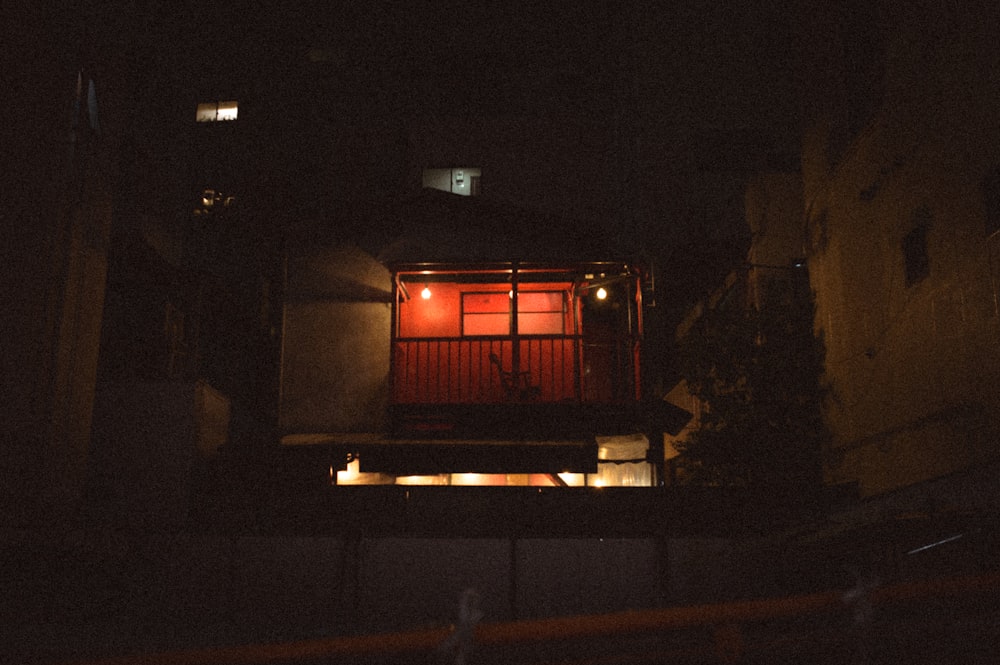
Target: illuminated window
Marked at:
212, 200
217, 111
538, 313
463, 181
486, 313
623, 462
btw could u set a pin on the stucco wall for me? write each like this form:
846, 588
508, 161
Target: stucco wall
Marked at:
149, 439
913, 366
335, 354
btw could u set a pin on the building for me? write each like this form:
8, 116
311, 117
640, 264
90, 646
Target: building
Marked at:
220, 349
62, 155
746, 354
893, 215
484, 330
899, 186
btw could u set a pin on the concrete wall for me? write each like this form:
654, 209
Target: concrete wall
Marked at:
116, 590
914, 366
149, 440
335, 353
108, 592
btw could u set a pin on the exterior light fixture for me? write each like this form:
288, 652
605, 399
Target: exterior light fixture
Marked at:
601, 293
426, 293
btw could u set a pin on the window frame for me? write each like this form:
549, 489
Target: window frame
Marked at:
561, 311
217, 111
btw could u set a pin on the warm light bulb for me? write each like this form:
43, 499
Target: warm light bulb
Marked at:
426, 293
601, 293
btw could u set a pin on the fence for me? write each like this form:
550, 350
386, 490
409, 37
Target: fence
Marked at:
484, 370
725, 632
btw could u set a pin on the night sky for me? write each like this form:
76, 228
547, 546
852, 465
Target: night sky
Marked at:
694, 67
701, 93
705, 92
686, 73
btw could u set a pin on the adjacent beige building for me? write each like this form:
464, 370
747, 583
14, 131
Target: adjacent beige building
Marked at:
899, 172
896, 215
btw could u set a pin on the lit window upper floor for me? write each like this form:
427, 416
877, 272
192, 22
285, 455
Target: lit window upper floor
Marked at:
213, 201
217, 111
459, 180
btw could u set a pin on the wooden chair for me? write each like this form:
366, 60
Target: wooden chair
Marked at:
516, 385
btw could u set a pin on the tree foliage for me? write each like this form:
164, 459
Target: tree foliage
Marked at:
757, 372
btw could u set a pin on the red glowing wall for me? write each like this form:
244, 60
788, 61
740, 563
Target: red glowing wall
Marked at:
455, 344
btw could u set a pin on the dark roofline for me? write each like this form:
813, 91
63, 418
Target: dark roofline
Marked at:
457, 267
442, 227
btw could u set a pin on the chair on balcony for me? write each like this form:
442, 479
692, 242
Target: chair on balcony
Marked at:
516, 385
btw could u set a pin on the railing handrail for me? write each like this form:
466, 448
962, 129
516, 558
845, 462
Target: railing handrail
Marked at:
573, 627
479, 338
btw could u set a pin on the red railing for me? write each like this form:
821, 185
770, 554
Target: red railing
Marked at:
723, 632
485, 370
470, 370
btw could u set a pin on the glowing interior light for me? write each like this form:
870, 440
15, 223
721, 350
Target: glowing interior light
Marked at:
206, 112
214, 111
441, 479
426, 293
601, 293
228, 110
573, 479
478, 479
351, 475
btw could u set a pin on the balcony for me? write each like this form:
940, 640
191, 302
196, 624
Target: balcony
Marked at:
538, 385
